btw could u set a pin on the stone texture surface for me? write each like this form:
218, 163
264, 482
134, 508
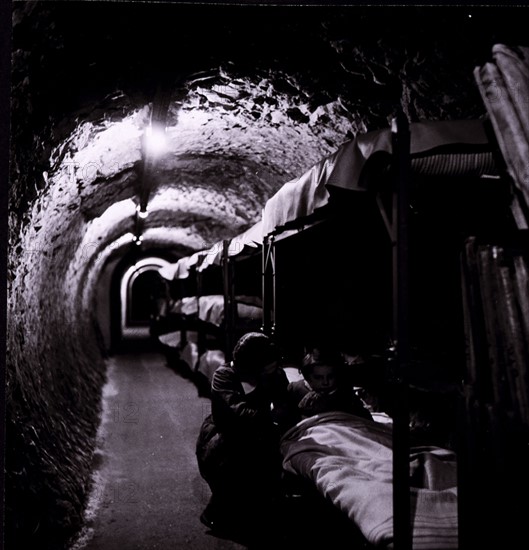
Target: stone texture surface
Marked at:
253, 104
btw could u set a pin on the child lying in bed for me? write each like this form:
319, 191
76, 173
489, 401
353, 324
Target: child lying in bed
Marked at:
324, 387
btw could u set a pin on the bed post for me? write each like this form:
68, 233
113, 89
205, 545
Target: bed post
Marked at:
264, 293
200, 330
229, 298
273, 313
268, 285
401, 430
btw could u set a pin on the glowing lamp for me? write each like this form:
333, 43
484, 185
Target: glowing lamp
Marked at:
142, 213
155, 140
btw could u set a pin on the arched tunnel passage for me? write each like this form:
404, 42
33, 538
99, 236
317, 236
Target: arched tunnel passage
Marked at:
250, 107
140, 287
138, 293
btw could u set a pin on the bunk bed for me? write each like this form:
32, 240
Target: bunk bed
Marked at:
460, 186
342, 202
362, 183
196, 326
336, 454
416, 164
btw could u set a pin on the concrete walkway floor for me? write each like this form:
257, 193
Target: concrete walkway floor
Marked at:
148, 493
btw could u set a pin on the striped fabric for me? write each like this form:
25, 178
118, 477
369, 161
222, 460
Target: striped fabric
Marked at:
504, 87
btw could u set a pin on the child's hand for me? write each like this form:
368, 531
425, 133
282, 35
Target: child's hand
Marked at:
315, 403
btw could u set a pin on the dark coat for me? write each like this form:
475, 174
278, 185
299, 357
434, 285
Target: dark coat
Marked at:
246, 415
238, 445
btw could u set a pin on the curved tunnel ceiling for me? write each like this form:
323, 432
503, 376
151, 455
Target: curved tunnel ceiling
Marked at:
251, 106
256, 95
224, 157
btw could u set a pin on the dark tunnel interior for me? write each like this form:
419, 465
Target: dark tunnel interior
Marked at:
254, 95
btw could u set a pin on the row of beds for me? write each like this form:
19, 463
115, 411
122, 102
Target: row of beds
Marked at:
191, 333
345, 459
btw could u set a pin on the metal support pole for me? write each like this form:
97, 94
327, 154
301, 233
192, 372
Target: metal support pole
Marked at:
273, 313
401, 429
264, 293
229, 299
268, 286
200, 330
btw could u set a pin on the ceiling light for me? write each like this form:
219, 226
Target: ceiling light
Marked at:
155, 140
142, 213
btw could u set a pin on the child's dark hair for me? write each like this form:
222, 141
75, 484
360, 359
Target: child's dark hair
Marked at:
321, 356
253, 351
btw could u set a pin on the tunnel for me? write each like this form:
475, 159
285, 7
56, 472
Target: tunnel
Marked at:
249, 97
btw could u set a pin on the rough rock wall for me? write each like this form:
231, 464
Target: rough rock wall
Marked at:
54, 376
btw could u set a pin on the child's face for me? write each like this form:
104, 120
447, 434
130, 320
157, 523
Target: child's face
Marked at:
270, 368
322, 378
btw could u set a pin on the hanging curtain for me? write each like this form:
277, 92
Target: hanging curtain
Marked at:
504, 87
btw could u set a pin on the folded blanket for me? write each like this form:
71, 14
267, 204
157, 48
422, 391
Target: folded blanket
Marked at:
349, 460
